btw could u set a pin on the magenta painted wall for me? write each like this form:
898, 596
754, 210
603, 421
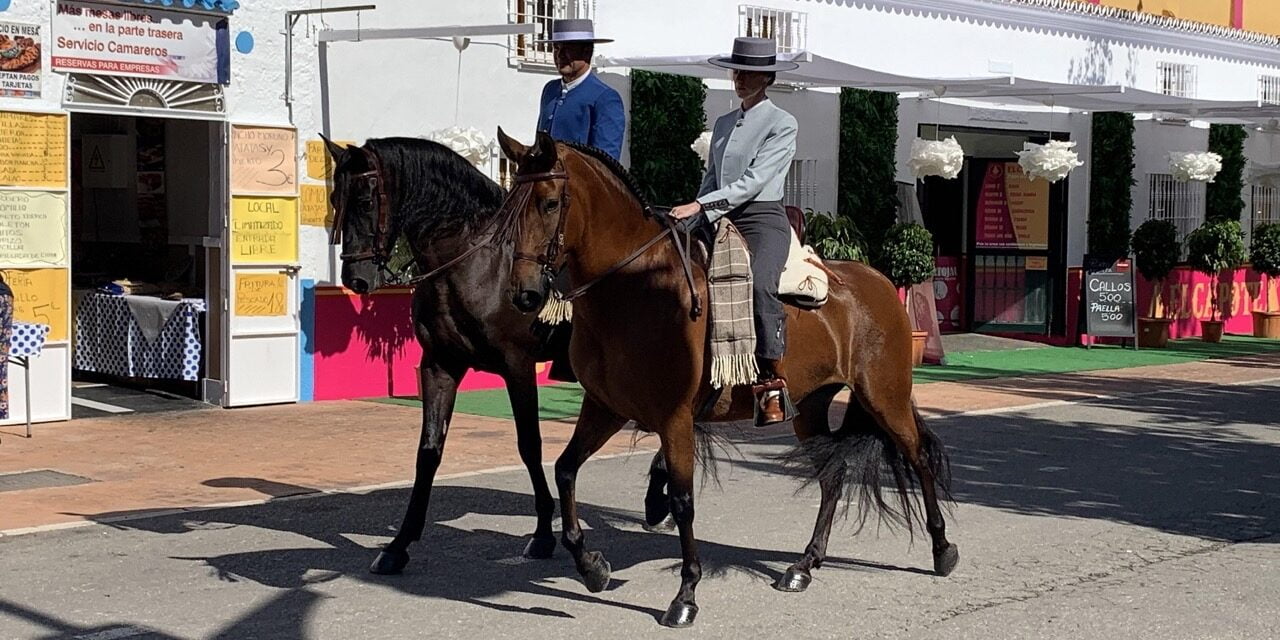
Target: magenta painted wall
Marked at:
365, 347
1188, 294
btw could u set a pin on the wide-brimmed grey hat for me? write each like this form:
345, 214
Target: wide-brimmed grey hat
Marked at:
754, 54
574, 30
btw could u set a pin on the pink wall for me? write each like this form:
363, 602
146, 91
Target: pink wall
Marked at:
364, 347
1188, 293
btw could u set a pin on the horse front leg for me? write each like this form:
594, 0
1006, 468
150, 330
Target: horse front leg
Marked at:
439, 390
677, 448
596, 425
522, 389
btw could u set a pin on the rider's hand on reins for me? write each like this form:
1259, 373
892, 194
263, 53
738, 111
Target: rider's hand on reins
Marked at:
686, 210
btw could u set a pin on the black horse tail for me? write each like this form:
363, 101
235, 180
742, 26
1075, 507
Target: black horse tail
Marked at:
863, 459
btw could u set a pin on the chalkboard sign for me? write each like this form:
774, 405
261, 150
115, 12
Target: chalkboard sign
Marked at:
1109, 298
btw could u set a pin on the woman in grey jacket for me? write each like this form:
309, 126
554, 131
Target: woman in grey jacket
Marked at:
751, 152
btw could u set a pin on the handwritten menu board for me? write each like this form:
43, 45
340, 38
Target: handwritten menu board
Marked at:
316, 210
319, 162
40, 296
261, 295
33, 229
33, 150
1109, 298
264, 230
264, 160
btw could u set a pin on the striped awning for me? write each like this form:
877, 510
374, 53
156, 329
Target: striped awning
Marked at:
216, 6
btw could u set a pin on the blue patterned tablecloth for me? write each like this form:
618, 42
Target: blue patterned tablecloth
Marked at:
109, 340
27, 340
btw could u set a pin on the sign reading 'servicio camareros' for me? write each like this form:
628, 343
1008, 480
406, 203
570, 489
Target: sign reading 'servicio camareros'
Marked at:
108, 39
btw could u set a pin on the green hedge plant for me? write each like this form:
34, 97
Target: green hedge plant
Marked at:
1214, 247
868, 148
1110, 184
667, 114
1264, 255
1156, 249
1222, 196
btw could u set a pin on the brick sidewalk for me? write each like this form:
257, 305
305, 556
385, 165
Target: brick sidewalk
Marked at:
155, 462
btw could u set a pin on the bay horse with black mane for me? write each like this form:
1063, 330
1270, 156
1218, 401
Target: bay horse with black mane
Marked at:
576, 208
445, 208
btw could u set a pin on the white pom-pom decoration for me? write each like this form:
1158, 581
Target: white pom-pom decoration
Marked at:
1199, 166
943, 158
1052, 161
467, 142
702, 146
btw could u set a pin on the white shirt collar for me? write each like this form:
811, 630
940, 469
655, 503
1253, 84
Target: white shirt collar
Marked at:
566, 87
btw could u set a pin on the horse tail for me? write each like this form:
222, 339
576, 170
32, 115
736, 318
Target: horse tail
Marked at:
864, 460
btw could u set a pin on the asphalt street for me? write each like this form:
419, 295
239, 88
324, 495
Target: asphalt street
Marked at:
1149, 517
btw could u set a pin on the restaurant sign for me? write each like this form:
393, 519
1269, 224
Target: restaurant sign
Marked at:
105, 39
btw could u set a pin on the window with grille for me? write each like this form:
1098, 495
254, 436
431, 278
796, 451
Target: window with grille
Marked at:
1181, 203
1265, 205
1269, 89
789, 28
801, 187
1177, 79
527, 49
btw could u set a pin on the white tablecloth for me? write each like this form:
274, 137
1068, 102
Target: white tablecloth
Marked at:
109, 339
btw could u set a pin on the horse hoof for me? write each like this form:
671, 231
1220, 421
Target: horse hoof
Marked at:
389, 562
679, 615
665, 526
656, 511
944, 562
595, 573
540, 548
793, 581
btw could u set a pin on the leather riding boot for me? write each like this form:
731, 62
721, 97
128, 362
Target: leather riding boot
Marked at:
769, 390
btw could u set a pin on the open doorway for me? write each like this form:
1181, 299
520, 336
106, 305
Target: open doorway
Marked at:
145, 262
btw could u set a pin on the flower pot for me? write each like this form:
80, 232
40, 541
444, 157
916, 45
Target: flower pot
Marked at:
918, 339
1153, 333
1211, 330
1266, 324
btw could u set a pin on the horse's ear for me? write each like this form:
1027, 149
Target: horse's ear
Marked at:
511, 147
546, 146
335, 150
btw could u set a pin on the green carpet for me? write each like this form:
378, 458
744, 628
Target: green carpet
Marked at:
562, 400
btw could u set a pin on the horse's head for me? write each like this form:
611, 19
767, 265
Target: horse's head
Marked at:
361, 217
537, 208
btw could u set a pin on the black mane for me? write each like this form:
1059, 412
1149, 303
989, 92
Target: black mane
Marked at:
433, 185
613, 165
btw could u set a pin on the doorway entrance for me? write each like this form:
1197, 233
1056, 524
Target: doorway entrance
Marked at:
146, 237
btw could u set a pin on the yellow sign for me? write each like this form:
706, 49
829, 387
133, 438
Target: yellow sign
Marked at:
316, 210
1037, 263
264, 160
40, 296
1028, 207
264, 230
261, 294
33, 150
33, 229
319, 162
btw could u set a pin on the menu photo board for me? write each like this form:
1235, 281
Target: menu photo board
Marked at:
1110, 297
20, 49
1013, 210
33, 150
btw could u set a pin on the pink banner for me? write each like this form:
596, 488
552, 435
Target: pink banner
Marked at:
947, 294
1187, 299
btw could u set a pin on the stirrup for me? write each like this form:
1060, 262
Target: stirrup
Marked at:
762, 390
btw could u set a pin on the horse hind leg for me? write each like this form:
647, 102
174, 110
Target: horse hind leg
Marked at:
917, 454
820, 457
657, 506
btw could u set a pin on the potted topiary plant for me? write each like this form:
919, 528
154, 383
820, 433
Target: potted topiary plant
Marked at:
1265, 257
833, 237
907, 258
1156, 250
1216, 246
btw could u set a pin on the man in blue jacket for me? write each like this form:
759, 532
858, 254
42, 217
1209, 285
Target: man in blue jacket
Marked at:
579, 107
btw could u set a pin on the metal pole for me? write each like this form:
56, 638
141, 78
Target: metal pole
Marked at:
26, 389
